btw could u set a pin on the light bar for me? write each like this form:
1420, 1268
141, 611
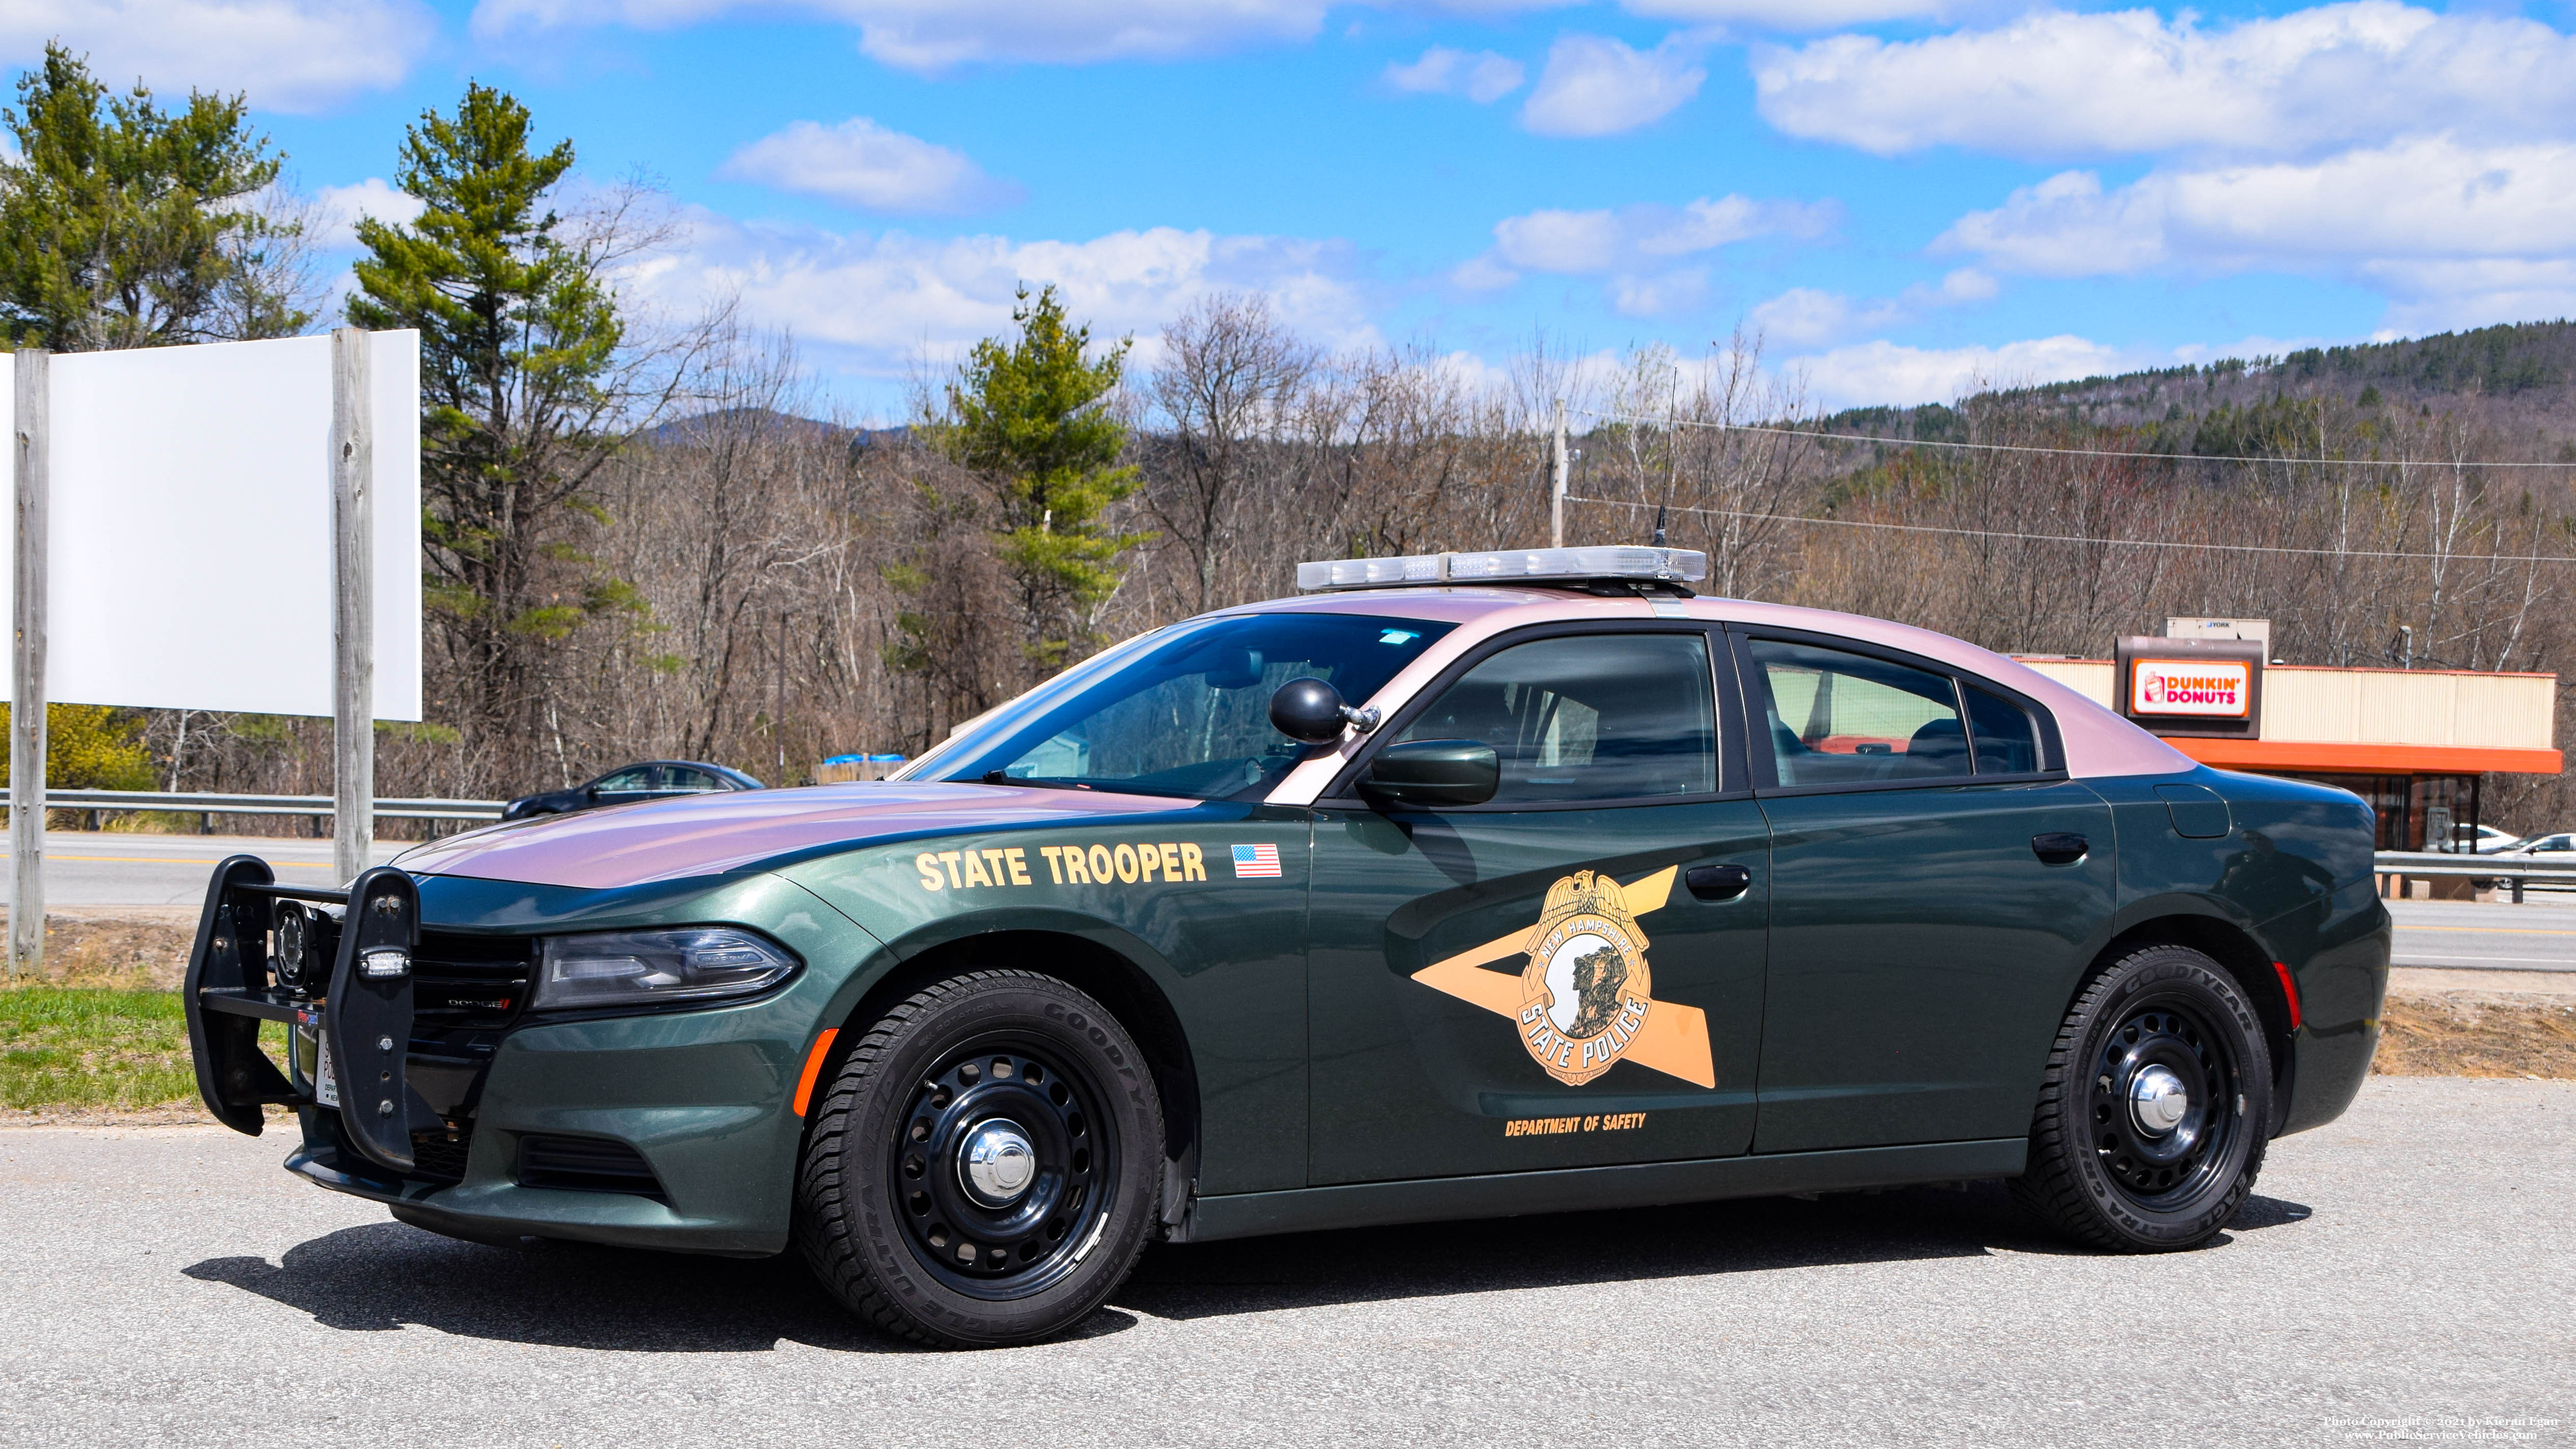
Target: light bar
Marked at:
1517, 565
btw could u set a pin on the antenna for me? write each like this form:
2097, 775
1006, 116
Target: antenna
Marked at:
1659, 526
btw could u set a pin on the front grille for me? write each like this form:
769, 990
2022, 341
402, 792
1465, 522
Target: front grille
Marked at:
462, 982
442, 1154
586, 1164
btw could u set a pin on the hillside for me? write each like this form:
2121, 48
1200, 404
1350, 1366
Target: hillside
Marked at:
2517, 383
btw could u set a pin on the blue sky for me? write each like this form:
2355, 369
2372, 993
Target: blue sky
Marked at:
1901, 196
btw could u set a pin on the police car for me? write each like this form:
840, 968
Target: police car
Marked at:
1462, 885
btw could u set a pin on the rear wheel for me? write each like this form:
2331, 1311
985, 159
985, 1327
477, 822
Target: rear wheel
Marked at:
983, 1168
2152, 1115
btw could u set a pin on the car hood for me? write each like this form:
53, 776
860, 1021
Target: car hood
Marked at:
657, 840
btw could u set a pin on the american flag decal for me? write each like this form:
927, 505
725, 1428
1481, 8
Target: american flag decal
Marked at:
1256, 860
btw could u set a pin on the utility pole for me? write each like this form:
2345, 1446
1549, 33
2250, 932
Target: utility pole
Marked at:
353, 607
30, 465
1556, 497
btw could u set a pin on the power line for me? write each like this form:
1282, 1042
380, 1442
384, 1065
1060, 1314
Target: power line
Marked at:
2536, 558
2035, 448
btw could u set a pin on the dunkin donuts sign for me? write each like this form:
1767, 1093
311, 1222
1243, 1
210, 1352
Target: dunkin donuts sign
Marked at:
2207, 688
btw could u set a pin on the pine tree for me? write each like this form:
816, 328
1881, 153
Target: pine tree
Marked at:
521, 392
1030, 416
122, 225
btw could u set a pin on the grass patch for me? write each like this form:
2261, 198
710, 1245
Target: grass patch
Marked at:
89, 1049
101, 1051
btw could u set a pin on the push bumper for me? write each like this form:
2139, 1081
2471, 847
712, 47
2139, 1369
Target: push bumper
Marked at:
675, 1130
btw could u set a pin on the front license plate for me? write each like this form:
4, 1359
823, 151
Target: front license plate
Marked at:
326, 1087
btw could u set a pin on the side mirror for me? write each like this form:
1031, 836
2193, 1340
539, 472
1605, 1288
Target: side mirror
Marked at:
1309, 711
1434, 772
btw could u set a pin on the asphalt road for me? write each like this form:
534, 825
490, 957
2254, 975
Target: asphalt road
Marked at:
2404, 1272
2539, 935
97, 868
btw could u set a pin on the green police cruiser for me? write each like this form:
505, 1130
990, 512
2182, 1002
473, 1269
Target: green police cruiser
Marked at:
1461, 885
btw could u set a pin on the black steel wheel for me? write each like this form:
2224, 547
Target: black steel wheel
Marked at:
984, 1167
2154, 1110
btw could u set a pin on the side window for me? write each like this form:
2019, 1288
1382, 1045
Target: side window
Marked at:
1588, 717
1848, 719
695, 782
638, 778
2007, 739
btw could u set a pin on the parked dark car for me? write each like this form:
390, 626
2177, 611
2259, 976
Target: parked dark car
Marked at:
651, 780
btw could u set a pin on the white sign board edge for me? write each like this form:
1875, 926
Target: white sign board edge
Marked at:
190, 540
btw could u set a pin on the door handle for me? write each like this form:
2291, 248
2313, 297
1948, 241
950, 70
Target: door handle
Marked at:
2059, 847
1718, 882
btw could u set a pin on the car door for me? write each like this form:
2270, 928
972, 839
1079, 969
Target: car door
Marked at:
1532, 982
1922, 949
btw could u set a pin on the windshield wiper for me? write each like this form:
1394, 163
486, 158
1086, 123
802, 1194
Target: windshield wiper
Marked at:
1003, 777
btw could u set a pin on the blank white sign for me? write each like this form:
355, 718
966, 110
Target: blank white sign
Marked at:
190, 545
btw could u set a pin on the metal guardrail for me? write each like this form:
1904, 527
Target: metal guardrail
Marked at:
194, 802
2516, 871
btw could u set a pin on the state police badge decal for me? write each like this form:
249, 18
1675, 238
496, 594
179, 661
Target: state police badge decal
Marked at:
1587, 990
1584, 1000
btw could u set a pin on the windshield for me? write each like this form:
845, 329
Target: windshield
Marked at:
1189, 713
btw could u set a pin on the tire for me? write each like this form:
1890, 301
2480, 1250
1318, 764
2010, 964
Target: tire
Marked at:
896, 1223
2107, 1167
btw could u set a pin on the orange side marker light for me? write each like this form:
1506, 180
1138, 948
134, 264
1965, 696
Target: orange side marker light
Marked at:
2289, 990
823, 1048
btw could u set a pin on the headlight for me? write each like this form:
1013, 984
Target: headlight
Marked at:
630, 968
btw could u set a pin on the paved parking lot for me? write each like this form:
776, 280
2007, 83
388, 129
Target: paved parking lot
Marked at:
2407, 1270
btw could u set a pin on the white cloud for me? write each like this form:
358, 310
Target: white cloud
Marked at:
2060, 84
1807, 317
1638, 248
1482, 77
1588, 242
2452, 234
2445, 295
2421, 201
287, 55
1481, 273
1784, 14
337, 209
1884, 372
877, 303
862, 164
1595, 86
1561, 241
935, 35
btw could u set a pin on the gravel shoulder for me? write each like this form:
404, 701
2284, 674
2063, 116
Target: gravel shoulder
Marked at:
2402, 1272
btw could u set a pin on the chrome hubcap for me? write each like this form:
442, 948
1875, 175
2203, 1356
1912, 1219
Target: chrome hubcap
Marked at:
995, 1164
2158, 1100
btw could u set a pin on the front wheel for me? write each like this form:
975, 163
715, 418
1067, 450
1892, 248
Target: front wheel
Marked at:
2153, 1112
984, 1167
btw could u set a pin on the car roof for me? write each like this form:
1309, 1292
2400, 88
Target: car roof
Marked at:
725, 770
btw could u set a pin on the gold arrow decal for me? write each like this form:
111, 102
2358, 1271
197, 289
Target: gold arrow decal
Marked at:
1673, 1039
